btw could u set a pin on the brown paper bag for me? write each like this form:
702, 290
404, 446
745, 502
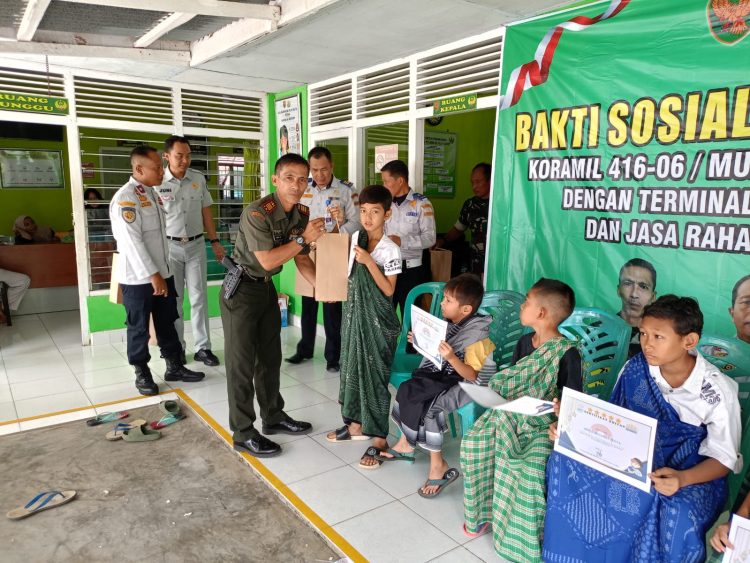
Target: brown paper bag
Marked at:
115, 291
301, 285
440, 264
332, 267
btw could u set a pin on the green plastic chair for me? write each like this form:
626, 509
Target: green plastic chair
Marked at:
603, 340
403, 363
732, 357
505, 308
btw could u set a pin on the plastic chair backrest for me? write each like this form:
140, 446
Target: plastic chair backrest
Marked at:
603, 342
505, 308
435, 289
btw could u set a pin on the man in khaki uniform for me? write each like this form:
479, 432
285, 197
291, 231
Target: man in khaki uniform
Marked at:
272, 231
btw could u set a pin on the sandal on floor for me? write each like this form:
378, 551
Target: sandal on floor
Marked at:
118, 431
448, 477
397, 456
342, 435
140, 434
166, 420
107, 417
483, 529
371, 452
170, 407
42, 501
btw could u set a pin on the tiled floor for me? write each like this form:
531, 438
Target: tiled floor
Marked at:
44, 369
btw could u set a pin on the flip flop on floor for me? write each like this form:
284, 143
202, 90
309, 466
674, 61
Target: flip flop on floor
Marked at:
371, 452
397, 456
170, 407
448, 477
342, 435
166, 420
140, 434
118, 431
42, 501
107, 417
483, 529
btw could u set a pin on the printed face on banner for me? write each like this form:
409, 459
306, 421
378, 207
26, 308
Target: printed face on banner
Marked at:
605, 160
740, 311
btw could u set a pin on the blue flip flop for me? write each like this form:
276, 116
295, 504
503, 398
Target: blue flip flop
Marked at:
42, 501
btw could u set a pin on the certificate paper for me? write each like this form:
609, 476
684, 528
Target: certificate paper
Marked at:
523, 405
352, 256
427, 332
606, 437
739, 535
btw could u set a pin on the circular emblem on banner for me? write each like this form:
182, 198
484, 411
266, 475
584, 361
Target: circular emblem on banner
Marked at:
62, 105
728, 20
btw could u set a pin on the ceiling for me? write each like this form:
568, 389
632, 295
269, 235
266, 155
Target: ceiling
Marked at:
258, 45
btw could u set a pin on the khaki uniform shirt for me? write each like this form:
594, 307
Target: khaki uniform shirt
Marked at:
264, 225
184, 201
138, 222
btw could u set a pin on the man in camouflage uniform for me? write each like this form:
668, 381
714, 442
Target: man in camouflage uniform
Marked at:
272, 231
473, 216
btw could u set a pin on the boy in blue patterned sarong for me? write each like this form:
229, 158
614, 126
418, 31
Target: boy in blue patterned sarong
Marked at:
593, 517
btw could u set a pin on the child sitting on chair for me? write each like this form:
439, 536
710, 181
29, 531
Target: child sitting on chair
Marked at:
720, 540
423, 401
593, 517
369, 329
504, 455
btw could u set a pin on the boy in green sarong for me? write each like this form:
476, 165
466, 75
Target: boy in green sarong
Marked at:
504, 455
369, 330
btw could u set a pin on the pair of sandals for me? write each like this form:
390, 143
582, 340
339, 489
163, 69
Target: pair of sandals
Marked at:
138, 430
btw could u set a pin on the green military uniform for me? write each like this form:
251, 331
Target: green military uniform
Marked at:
251, 318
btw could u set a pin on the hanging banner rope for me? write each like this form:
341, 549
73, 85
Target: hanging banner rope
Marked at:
534, 73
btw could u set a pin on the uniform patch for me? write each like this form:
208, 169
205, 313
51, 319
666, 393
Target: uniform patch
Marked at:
126, 204
140, 189
708, 394
195, 185
258, 214
347, 183
413, 202
141, 198
392, 267
128, 214
429, 214
412, 214
418, 196
307, 194
159, 200
268, 205
303, 209
145, 204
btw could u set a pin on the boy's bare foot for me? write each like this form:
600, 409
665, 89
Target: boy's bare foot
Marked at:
436, 472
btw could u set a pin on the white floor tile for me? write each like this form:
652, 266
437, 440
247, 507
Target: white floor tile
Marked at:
483, 548
324, 417
445, 512
54, 403
458, 555
310, 370
328, 387
353, 493
11, 428
109, 376
299, 396
417, 540
47, 356
92, 358
301, 459
217, 391
219, 411
8, 411
44, 387
57, 419
5, 395
35, 372
137, 403
115, 392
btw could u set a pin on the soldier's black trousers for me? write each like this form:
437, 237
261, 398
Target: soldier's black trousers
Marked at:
252, 355
331, 323
140, 303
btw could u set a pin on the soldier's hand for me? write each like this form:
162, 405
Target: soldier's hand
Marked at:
218, 249
396, 239
159, 285
315, 228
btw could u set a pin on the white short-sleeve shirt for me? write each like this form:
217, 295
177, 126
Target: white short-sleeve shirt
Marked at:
387, 255
708, 397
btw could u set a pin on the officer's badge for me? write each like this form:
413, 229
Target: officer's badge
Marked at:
127, 204
128, 213
195, 185
268, 206
257, 214
303, 209
140, 190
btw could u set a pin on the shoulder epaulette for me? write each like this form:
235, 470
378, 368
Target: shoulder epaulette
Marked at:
303, 209
347, 183
310, 181
268, 204
419, 196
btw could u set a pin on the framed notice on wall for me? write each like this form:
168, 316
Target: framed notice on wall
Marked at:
289, 125
20, 168
440, 164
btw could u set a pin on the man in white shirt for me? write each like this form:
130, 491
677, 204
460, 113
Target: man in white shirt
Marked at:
411, 226
137, 216
336, 202
188, 202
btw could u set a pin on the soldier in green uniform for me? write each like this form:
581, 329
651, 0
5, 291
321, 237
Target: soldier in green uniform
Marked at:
272, 231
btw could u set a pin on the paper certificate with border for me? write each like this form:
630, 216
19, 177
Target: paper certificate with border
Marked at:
606, 437
739, 535
427, 332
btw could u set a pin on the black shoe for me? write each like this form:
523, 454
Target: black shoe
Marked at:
333, 367
207, 357
297, 358
287, 426
144, 382
258, 447
178, 372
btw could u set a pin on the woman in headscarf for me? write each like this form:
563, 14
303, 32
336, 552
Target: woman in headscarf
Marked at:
28, 232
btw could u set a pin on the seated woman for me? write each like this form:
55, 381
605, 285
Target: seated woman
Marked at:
28, 232
97, 216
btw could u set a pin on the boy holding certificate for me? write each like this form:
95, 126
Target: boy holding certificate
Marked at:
504, 455
423, 401
593, 517
369, 329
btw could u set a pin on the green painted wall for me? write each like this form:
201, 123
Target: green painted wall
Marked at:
50, 207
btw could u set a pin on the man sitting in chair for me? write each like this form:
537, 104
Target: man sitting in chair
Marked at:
636, 288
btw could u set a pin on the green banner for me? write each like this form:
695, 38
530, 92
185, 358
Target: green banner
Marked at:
625, 133
13, 101
454, 104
